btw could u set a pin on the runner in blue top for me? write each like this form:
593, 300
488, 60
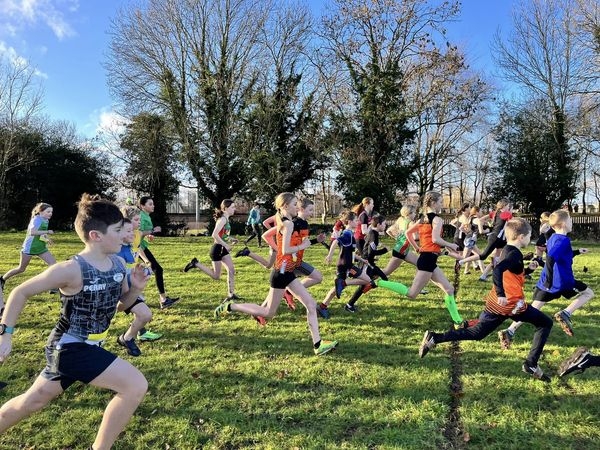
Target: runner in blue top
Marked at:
348, 273
557, 278
371, 250
142, 314
35, 241
253, 223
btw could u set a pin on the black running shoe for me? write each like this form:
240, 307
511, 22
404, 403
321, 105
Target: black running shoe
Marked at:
189, 266
350, 308
576, 363
536, 372
129, 345
427, 343
528, 256
168, 302
243, 252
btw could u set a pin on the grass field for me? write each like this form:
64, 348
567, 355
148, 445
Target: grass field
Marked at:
230, 384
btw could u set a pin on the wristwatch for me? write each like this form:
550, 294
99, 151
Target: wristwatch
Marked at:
6, 329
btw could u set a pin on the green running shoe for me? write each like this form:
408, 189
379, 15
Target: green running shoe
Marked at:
325, 347
149, 336
223, 308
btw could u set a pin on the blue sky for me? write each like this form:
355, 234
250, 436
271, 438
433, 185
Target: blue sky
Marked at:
66, 41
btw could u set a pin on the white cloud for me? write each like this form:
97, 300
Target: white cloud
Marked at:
112, 121
18, 14
39, 73
8, 29
104, 121
9, 54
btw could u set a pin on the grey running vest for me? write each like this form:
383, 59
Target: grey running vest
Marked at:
91, 309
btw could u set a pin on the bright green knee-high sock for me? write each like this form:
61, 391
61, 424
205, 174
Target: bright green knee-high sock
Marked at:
393, 286
451, 305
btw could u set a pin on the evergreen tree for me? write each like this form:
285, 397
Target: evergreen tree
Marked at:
536, 166
59, 173
374, 160
282, 142
152, 162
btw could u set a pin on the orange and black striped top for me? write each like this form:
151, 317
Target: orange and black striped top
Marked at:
301, 231
509, 278
425, 236
292, 261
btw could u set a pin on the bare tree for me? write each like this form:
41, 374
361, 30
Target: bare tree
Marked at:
20, 102
472, 165
448, 101
542, 54
195, 62
547, 56
595, 182
587, 16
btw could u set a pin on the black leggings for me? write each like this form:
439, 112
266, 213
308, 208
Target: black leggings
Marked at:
488, 322
255, 234
493, 243
157, 269
373, 272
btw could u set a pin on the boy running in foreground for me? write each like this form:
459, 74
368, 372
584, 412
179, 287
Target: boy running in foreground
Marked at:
505, 300
91, 285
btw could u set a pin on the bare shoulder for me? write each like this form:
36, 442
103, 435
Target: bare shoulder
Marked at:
68, 274
69, 267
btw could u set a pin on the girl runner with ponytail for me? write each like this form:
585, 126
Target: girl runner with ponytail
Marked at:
219, 252
35, 241
363, 211
147, 229
430, 247
283, 277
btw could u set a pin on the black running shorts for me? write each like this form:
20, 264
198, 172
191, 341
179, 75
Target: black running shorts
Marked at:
217, 252
281, 280
543, 296
76, 361
427, 261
